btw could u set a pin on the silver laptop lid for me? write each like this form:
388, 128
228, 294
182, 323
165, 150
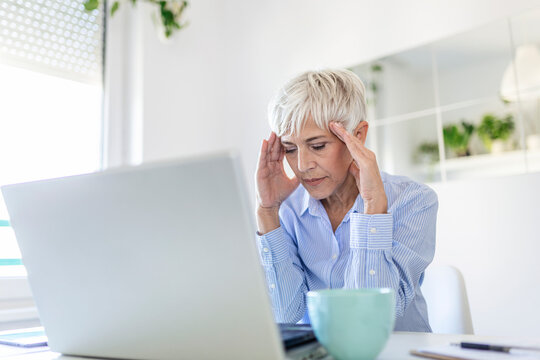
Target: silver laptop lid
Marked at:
151, 262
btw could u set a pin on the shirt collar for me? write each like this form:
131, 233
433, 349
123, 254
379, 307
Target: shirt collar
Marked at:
314, 206
305, 202
308, 203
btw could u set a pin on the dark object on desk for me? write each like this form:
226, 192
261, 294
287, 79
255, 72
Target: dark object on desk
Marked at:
294, 335
490, 347
31, 337
467, 345
455, 351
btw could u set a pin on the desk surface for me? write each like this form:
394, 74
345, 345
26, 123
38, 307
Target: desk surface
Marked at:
397, 348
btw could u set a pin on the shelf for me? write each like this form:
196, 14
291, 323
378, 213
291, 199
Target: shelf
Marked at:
506, 163
475, 161
417, 93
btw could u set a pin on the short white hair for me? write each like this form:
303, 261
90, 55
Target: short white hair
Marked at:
327, 95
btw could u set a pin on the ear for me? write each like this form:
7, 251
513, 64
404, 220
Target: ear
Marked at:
361, 131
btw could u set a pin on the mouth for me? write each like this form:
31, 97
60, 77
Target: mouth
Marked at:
314, 181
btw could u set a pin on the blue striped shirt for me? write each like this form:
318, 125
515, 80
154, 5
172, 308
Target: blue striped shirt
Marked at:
366, 251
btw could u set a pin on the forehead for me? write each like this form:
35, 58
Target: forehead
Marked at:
308, 131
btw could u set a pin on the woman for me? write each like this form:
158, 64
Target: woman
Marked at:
339, 222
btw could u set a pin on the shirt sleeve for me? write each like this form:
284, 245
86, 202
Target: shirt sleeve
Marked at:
393, 250
284, 275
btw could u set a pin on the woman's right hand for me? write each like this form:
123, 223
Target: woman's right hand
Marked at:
273, 184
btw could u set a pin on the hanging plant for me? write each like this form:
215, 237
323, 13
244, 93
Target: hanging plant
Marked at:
170, 12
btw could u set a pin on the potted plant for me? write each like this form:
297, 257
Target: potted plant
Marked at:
457, 137
427, 152
495, 131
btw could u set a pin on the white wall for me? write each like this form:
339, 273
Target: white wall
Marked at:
208, 90
489, 230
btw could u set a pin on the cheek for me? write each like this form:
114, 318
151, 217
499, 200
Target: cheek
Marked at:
291, 160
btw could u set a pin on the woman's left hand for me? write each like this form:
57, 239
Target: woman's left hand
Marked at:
365, 170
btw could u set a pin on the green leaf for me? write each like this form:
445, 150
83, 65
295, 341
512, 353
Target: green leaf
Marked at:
167, 17
114, 7
493, 127
376, 67
90, 5
457, 137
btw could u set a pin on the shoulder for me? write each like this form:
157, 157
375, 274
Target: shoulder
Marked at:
401, 191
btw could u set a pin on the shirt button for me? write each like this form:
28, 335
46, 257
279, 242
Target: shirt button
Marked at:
265, 249
334, 256
371, 272
272, 286
373, 230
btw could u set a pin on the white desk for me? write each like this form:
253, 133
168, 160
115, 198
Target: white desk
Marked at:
400, 343
397, 348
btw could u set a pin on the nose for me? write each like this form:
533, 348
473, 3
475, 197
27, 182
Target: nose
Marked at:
305, 161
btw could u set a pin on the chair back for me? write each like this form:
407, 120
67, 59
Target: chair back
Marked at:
447, 302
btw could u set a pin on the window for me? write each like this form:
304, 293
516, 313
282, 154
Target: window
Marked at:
51, 93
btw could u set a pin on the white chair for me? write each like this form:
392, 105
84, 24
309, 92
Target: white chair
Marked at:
446, 298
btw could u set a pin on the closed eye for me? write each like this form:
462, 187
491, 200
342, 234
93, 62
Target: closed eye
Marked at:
318, 147
290, 150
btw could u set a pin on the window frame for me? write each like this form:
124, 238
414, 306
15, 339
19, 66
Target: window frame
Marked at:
16, 300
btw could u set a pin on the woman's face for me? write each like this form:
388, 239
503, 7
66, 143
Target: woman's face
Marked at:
318, 158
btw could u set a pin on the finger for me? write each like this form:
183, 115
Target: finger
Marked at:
355, 146
339, 130
362, 155
336, 130
271, 140
282, 153
276, 150
263, 153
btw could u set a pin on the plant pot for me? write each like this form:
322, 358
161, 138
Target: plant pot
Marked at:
462, 153
533, 142
498, 146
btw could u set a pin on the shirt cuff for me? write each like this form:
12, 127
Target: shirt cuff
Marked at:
371, 231
273, 246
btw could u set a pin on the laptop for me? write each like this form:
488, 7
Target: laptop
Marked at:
157, 261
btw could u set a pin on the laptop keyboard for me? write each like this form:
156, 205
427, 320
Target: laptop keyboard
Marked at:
296, 334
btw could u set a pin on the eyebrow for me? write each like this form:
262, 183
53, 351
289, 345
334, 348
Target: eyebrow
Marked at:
306, 141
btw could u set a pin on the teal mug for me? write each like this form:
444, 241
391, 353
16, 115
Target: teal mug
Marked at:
352, 324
